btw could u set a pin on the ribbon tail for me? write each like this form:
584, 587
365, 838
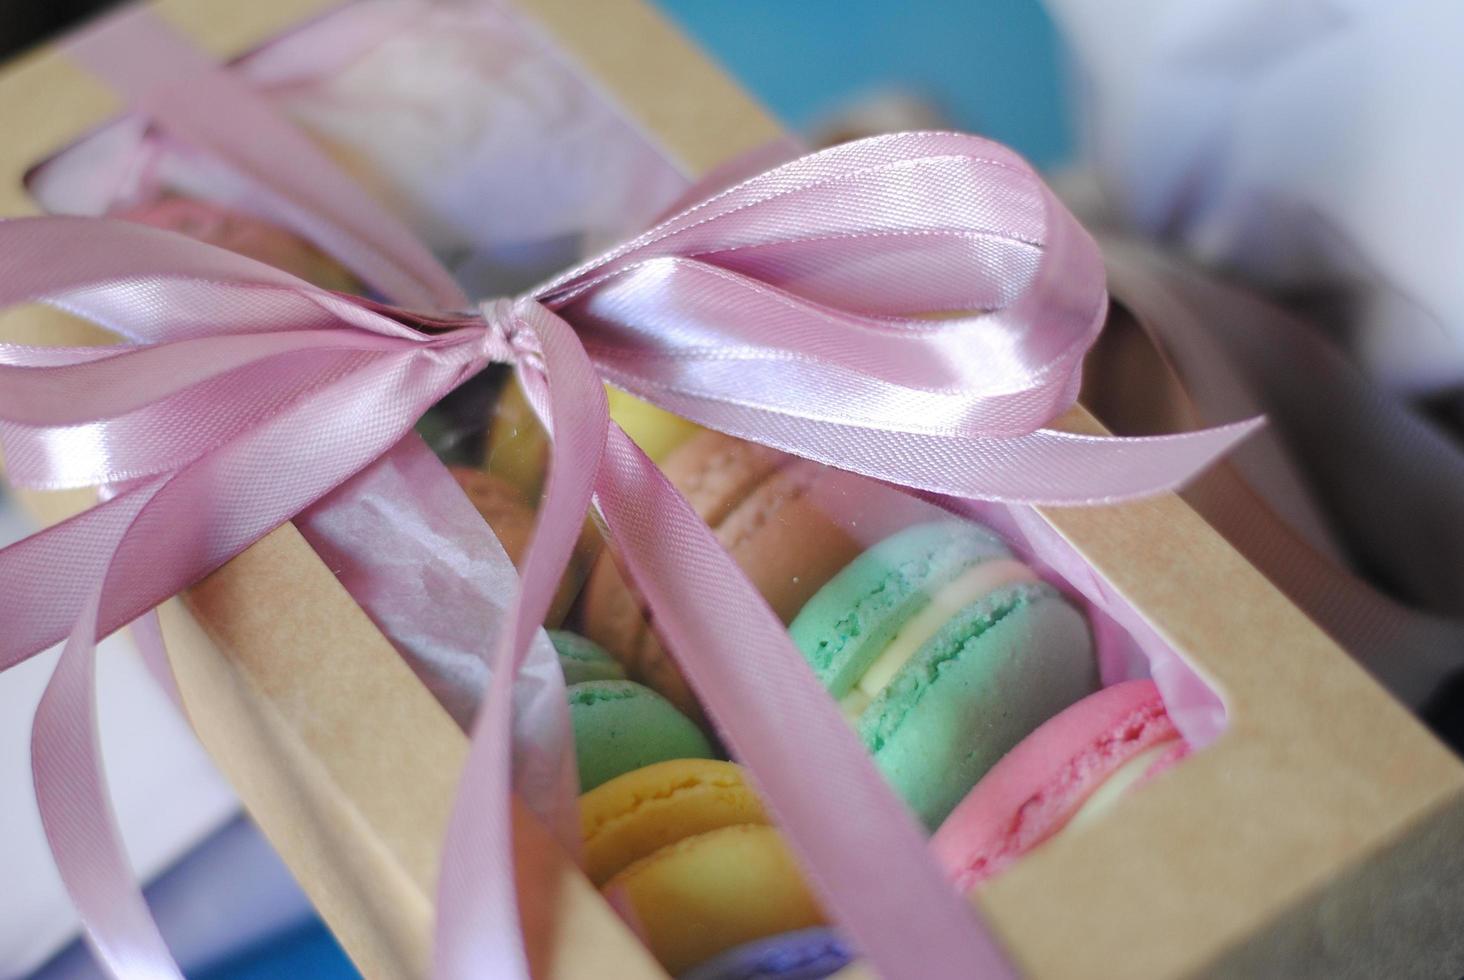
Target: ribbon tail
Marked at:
79, 822
786, 729
341, 428
48, 575
479, 924
147, 635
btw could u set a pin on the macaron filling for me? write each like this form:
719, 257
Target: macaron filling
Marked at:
850, 622
970, 586
636, 814
1119, 782
898, 699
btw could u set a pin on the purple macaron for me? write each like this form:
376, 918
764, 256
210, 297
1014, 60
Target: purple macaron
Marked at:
808, 954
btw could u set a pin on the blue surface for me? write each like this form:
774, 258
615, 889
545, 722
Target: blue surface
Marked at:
307, 952
990, 67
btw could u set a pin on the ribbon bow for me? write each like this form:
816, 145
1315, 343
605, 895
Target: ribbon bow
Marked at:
806, 308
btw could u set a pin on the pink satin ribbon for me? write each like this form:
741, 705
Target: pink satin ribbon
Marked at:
792, 309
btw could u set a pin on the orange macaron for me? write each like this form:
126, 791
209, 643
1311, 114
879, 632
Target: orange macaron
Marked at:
789, 523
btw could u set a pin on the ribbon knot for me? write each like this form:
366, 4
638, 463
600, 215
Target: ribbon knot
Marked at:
504, 337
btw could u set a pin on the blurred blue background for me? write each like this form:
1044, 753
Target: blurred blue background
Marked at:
992, 68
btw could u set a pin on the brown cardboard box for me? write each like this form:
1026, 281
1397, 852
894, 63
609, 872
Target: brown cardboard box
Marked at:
1323, 835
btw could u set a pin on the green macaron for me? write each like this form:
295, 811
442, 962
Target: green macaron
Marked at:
584, 660
848, 622
620, 726
969, 653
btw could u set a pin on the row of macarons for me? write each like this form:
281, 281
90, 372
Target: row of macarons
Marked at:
681, 844
970, 680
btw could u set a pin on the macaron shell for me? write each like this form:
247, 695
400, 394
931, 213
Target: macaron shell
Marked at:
512, 520
715, 472
501, 505
709, 893
657, 431
992, 675
517, 449
808, 954
783, 538
584, 660
787, 546
620, 726
636, 814
845, 626
1036, 788
778, 533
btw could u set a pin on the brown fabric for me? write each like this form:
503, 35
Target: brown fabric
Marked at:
1350, 502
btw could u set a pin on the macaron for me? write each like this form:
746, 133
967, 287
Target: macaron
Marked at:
621, 726
657, 431
634, 815
1064, 775
944, 651
767, 509
518, 449
512, 520
687, 849
808, 954
245, 234
584, 660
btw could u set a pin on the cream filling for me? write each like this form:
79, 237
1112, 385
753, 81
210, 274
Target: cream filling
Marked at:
1102, 799
974, 583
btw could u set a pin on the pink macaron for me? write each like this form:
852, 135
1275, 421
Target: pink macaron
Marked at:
1080, 759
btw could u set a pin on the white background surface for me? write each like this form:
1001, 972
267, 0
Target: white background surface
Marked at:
167, 795
1310, 145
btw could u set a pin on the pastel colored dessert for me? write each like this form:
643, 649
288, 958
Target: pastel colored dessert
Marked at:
1064, 775
247, 235
686, 847
619, 725
765, 509
512, 520
944, 651
584, 660
808, 954
657, 431
518, 449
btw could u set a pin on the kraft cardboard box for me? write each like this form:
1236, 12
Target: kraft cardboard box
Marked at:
1321, 835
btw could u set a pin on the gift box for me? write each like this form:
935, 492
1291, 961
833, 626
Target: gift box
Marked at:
1317, 832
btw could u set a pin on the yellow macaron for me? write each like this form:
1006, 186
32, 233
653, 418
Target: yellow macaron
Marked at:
687, 845
518, 450
636, 814
654, 429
